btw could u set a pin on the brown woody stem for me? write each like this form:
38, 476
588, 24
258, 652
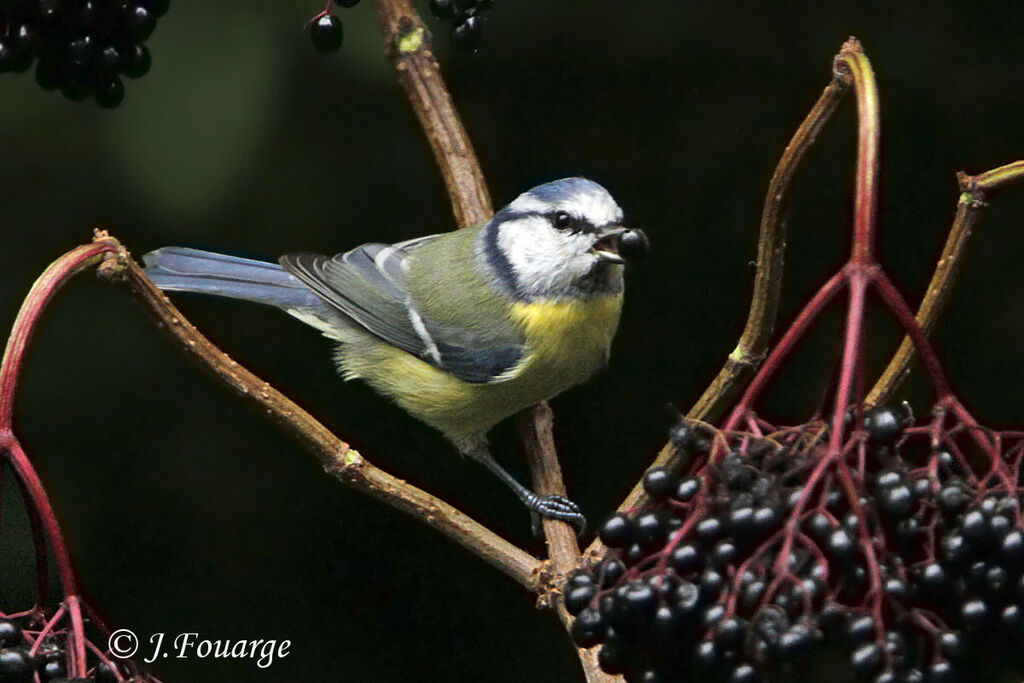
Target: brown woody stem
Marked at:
753, 343
408, 44
337, 458
973, 191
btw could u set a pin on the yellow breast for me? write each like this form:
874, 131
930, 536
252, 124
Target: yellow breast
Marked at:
567, 342
571, 338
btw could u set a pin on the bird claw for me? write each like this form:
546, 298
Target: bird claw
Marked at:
556, 507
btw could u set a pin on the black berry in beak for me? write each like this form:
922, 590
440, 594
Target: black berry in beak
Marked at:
633, 245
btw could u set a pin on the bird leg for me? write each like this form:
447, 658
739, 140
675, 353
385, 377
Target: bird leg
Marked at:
550, 507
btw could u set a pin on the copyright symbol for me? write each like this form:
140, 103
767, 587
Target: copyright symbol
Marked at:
123, 643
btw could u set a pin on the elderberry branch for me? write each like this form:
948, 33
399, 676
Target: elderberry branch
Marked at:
752, 346
973, 191
408, 44
337, 458
852, 60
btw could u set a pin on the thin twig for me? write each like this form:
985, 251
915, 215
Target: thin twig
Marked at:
973, 192
852, 60
408, 45
753, 343
535, 427
45, 528
337, 458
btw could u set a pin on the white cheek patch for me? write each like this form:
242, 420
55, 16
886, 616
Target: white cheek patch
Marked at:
544, 260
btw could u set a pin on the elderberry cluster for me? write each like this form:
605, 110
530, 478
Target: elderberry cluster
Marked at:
49, 662
81, 47
466, 17
326, 30
743, 572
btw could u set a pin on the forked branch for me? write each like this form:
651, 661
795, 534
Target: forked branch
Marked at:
753, 343
973, 193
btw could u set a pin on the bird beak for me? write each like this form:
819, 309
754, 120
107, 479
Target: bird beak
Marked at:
606, 248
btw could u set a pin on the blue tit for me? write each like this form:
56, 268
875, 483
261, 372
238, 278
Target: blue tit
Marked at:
460, 329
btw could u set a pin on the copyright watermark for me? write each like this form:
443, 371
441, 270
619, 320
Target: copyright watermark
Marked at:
124, 644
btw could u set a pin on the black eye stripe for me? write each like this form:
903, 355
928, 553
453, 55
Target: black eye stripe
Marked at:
563, 220
578, 224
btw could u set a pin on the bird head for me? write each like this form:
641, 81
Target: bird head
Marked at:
559, 240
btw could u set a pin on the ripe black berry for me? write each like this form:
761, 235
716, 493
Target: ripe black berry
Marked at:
687, 558
588, 628
442, 9
955, 552
634, 554
729, 633
866, 659
347, 3
685, 438
723, 553
104, 672
109, 93
897, 501
610, 571
687, 489
1012, 548
741, 521
135, 61
15, 665
80, 51
1011, 618
54, 668
975, 528
327, 33
650, 530
743, 673
711, 583
706, 655
617, 531
10, 633
884, 424
611, 659
861, 628
796, 641
578, 597
953, 499
710, 529
941, 672
688, 600
974, 612
667, 624
712, 615
933, 581
888, 478
637, 602
841, 544
660, 483
633, 245
467, 33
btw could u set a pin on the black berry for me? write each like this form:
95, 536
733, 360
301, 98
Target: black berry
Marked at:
327, 33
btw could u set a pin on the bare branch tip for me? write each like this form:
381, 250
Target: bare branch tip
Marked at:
852, 45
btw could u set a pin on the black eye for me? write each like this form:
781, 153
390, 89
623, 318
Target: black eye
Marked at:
563, 221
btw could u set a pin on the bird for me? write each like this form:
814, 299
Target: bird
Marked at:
460, 329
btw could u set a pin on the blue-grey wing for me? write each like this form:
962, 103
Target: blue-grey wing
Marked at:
368, 285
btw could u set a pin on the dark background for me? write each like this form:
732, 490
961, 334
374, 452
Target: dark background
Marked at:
186, 511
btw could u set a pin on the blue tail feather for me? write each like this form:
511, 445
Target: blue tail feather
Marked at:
191, 270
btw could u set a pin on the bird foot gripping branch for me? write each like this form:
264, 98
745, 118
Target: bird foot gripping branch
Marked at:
902, 541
